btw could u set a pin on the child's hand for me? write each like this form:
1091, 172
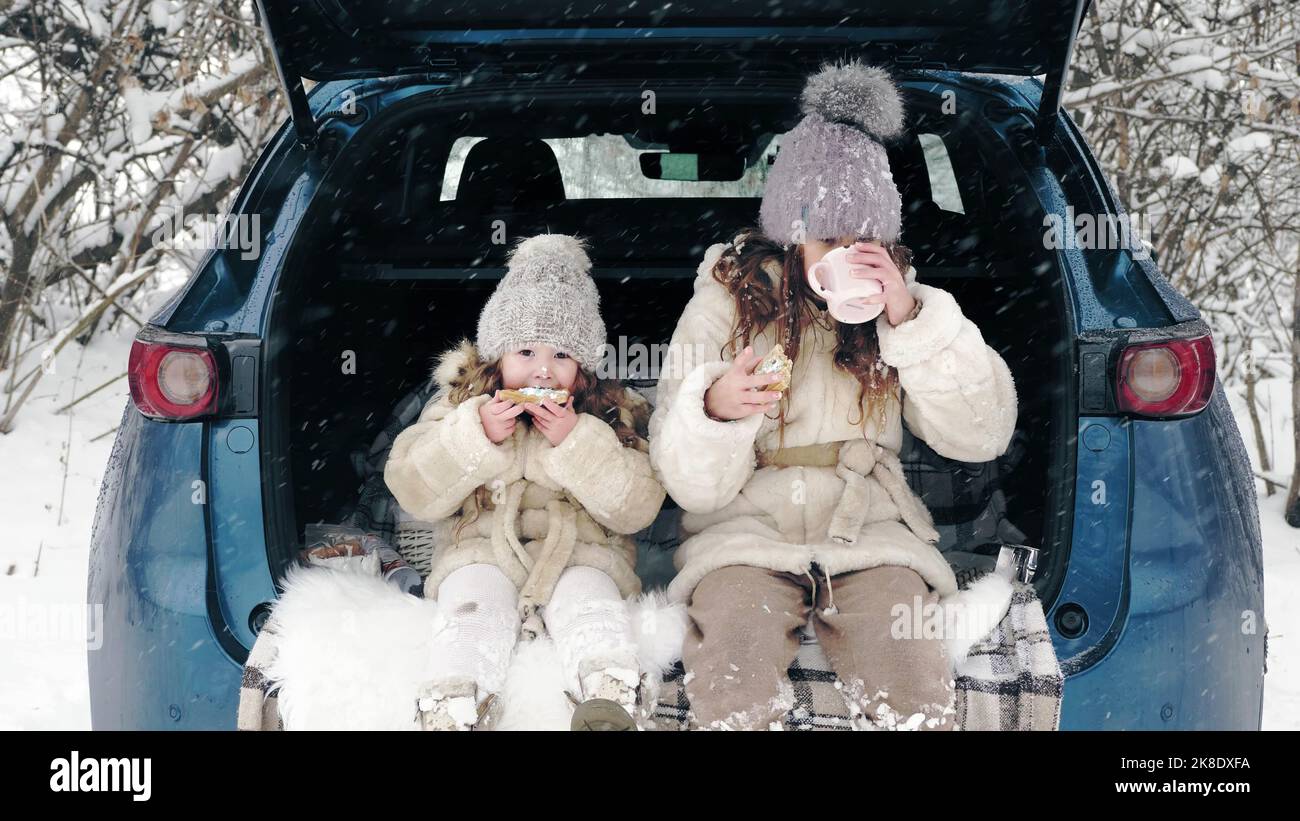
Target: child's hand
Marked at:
734, 395
870, 260
554, 421
498, 417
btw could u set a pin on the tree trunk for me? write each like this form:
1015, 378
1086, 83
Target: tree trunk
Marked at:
1293, 495
13, 294
1252, 374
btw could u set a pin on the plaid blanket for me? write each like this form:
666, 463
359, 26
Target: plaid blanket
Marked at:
1010, 681
258, 709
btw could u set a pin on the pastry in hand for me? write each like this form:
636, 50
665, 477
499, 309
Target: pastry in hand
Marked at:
776, 362
535, 395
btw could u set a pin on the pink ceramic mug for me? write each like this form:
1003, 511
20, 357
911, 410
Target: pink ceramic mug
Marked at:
844, 293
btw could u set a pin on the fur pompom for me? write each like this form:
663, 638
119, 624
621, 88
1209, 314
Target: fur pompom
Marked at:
660, 628
861, 95
551, 251
975, 612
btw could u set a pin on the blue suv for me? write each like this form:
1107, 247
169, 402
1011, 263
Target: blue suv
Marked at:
430, 139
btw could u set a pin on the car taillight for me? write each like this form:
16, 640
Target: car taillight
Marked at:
1173, 377
170, 381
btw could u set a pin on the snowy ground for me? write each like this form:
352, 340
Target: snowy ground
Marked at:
1281, 556
53, 466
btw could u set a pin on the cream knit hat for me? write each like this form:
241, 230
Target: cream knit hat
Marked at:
831, 176
547, 296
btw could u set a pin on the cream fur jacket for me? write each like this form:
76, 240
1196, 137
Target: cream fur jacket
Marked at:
957, 395
549, 507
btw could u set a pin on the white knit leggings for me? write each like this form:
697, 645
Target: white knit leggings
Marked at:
586, 618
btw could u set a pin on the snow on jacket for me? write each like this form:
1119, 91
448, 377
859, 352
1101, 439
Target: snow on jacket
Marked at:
843, 510
551, 507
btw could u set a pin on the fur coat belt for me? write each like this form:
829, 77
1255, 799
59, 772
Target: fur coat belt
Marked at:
854, 461
543, 571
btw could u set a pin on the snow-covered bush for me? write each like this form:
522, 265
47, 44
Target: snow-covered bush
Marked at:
115, 115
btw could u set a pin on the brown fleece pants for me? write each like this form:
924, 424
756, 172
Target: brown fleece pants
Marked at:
743, 639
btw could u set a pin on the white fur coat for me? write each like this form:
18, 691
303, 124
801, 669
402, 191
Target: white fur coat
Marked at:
958, 396
571, 504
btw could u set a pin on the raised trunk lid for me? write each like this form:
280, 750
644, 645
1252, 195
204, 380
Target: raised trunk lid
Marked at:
348, 39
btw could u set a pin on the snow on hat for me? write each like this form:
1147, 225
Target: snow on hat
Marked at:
831, 177
547, 296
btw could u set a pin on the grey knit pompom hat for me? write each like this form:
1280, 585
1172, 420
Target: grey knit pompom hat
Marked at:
547, 295
831, 177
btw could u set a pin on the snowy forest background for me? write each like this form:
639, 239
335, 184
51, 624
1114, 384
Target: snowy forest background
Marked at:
116, 115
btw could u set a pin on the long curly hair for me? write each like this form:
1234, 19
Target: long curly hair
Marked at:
791, 306
605, 399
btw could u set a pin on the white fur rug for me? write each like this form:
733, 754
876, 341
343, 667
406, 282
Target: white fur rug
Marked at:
353, 651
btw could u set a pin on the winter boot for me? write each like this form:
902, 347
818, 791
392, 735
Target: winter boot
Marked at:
610, 703
452, 705
601, 714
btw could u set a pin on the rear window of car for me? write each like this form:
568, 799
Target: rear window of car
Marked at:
607, 166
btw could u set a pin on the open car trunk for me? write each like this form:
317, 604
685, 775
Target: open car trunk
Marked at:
341, 39
397, 257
